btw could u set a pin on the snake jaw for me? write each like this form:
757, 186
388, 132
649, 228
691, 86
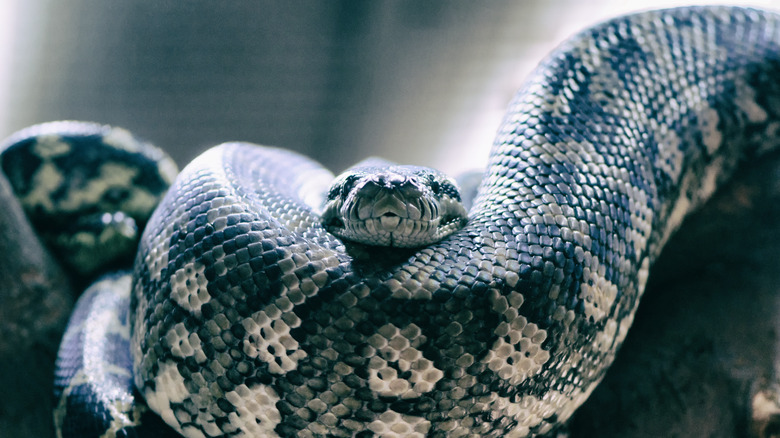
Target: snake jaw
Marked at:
399, 206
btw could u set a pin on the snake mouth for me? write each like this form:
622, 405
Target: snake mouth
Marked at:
389, 221
392, 221
390, 229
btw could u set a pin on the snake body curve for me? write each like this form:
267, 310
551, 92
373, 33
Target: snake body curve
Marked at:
249, 319
88, 189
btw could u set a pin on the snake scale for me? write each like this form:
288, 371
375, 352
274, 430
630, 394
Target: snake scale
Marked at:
248, 318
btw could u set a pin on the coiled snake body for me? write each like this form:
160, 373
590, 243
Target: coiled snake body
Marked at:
249, 319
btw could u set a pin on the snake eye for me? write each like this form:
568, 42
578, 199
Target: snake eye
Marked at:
434, 184
334, 192
348, 184
341, 187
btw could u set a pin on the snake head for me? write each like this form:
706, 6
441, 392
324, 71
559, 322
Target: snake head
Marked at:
393, 205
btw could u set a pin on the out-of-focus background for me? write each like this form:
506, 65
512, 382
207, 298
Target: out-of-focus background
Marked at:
423, 82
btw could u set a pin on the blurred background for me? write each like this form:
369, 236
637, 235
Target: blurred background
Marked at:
416, 82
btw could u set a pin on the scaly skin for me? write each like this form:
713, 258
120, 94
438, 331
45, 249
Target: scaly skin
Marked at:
250, 319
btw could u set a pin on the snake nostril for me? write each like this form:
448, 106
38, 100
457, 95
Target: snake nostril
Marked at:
395, 179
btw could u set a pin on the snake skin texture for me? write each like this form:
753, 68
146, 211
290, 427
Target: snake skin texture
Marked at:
93, 384
245, 317
88, 190
249, 319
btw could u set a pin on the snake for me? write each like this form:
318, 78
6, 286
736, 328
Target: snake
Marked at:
269, 298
